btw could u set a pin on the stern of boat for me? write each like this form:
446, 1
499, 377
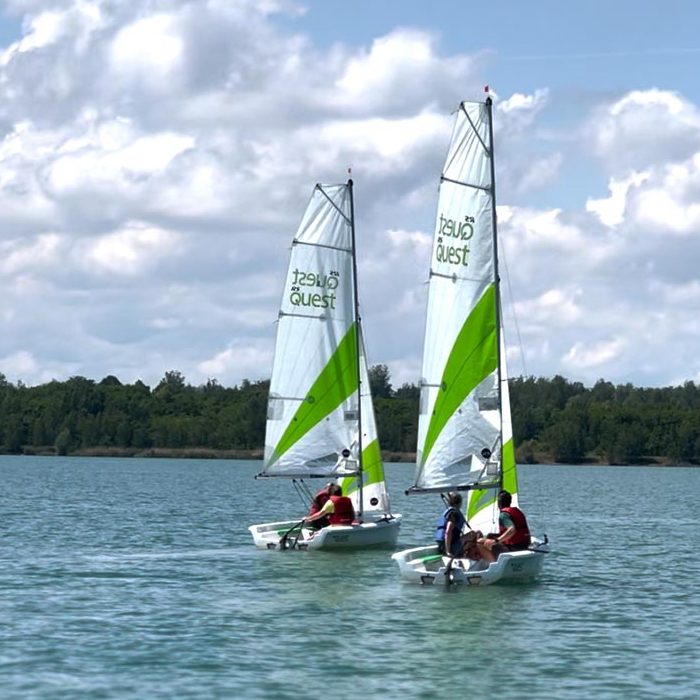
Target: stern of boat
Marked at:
380, 532
425, 565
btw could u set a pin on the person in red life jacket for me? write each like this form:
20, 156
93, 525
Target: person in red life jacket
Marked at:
338, 508
317, 503
513, 531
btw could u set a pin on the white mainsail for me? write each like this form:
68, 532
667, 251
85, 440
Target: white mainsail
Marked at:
464, 432
313, 402
320, 412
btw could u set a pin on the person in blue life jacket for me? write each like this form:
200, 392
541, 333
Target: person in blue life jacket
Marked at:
449, 533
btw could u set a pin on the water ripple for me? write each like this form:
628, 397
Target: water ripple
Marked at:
138, 579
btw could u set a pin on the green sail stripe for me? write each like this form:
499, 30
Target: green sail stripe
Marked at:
478, 501
472, 358
485, 498
510, 474
372, 469
334, 384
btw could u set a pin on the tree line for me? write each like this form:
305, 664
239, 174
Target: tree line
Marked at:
553, 418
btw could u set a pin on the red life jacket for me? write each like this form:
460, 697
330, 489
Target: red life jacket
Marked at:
318, 501
343, 511
521, 538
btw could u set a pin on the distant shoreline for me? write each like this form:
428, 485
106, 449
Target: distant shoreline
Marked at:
257, 454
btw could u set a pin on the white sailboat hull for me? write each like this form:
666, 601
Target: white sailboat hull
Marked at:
382, 532
424, 565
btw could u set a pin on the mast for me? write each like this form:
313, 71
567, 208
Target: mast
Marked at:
497, 276
358, 341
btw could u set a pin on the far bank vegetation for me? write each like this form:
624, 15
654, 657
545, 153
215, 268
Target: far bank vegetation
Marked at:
554, 420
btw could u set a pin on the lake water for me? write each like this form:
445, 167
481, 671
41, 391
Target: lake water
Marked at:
138, 579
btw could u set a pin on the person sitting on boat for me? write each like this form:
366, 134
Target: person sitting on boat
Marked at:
338, 508
317, 502
450, 526
514, 533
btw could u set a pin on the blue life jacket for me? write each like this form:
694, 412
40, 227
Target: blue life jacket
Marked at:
442, 524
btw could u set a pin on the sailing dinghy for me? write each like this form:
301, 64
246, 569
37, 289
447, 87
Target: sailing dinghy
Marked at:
465, 438
320, 422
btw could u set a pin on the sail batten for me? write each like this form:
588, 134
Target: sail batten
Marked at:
485, 188
321, 245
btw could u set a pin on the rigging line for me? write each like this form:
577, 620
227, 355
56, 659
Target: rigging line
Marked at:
504, 258
304, 487
299, 488
332, 203
456, 151
474, 129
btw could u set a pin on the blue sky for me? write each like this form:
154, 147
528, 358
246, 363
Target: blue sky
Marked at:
591, 45
155, 159
581, 51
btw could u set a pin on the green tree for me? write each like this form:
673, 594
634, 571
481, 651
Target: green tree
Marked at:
379, 382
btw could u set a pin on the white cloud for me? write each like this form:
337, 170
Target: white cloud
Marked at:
236, 361
645, 128
24, 364
19, 256
669, 201
683, 297
115, 159
541, 228
150, 51
611, 210
593, 355
131, 250
519, 110
156, 159
538, 173
396, 69
554, 308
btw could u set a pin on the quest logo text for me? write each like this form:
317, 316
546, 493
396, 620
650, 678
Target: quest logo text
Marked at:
304, 285
452, 242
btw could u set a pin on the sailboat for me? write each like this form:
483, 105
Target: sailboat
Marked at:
465, 441
320, 421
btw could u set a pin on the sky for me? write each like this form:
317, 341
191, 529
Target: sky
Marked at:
156, 158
